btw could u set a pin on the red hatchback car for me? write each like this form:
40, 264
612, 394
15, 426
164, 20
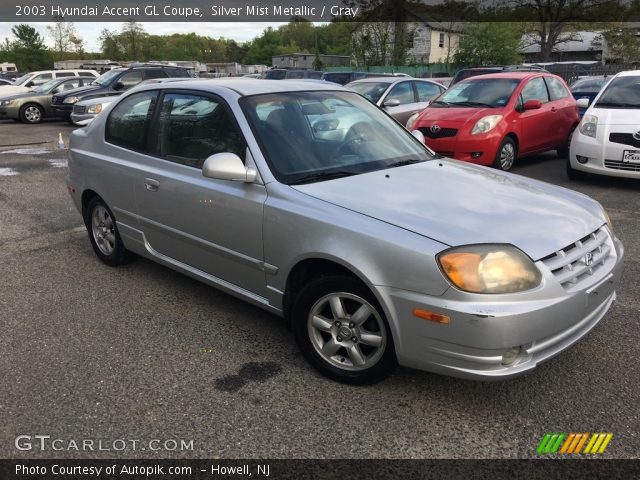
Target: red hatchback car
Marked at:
494, 119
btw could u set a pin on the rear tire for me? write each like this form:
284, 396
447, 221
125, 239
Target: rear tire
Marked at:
103, 234
341, 330
506, 155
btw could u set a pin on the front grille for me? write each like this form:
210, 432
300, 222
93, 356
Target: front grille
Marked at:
618, 165
624, 138
55, 100
442, 133
578, 261
79, 109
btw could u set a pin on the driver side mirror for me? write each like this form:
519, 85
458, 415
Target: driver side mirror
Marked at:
532, 104
55, 90
583, 102
228, 166
418, 135
394, 102
118, 86
30, 84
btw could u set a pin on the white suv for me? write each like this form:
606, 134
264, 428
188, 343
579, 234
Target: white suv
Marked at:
34, 79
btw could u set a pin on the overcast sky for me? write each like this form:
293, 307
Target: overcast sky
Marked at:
90, 31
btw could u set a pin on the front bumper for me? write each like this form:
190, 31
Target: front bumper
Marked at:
472, 345
480, 149
82, 119
62, 110
604, 157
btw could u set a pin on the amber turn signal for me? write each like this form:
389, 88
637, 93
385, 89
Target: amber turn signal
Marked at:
431, 316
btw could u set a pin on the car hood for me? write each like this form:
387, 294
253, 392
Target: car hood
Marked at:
16, 96
457, 203
10, 90
456, 115
616, 116
95, 100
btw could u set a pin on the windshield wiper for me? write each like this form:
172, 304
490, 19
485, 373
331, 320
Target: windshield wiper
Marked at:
317, 177
402, 163
474, 104
440, 102
616, 104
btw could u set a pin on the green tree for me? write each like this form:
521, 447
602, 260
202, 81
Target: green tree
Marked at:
490, 43
132, 38
262, 49
28, 51
64, 36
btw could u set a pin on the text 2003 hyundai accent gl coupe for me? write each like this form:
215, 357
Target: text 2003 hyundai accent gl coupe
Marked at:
310, 202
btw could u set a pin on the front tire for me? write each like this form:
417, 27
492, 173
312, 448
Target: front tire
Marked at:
31, 113
103, 234
506, 155
563, 152
341, 330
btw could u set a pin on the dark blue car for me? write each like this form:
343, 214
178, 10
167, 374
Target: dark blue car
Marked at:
587, 87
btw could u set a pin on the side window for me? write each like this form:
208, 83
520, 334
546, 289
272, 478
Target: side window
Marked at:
426, 91
40, 79
535, 90
154, 73
192, 127
131, 79
64, 74
68, 85
402, 92
128, 122
556, 88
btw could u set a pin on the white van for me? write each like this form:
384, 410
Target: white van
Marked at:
33, 79
7, 67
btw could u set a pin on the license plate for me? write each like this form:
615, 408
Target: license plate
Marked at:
631, 156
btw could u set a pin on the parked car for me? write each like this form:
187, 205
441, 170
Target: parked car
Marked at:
26, 82
493, 119
607, 141
374, 250
288, 73
465, 73
114, 82
4, 82
587, 87
399, 97
84, 111
35, 105
347, 77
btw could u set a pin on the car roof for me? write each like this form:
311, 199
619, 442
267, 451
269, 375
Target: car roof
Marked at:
246, 86
388, 79
512, 75
629, 73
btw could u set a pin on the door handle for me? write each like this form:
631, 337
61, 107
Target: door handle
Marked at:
151, 185
554, 109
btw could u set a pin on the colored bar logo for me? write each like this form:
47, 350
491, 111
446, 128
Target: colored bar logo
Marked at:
574, 443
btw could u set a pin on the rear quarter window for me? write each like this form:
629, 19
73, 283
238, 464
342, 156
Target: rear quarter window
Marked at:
128, 123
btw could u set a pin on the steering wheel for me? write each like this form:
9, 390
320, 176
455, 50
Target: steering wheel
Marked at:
357, 134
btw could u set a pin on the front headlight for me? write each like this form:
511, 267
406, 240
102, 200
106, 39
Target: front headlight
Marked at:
97, 108
6, 103
70, 100
412, 120
588, 125
486, 124
489, 269
607, 219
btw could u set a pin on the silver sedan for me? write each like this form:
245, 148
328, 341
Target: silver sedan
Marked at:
309, 202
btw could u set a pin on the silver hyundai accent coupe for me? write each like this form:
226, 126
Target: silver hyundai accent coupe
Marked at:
310, 202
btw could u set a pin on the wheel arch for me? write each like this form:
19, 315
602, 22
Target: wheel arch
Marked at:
313, 267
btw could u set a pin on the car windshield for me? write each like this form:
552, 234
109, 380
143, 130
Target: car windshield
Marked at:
22, 79
370, 90
45, 87
588, 85
106, 78
480, 92
314, 136
621, 92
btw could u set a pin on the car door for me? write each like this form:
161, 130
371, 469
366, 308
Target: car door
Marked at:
214, 226
566, 109
402, 93
127, 80
536, 124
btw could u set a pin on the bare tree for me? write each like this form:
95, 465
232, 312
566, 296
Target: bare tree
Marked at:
62, 33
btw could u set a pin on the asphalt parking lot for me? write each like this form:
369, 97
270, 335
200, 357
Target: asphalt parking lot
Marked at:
144, 353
